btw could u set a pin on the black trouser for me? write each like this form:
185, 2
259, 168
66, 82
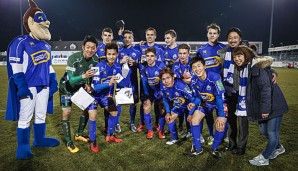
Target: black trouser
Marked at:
232, 121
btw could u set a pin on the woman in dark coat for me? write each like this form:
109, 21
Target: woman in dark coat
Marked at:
265, 102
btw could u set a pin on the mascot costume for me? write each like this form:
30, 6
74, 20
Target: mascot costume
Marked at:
32, 82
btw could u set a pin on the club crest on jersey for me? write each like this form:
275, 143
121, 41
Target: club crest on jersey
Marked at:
175, 56
156, 73
40, 57
177, 94
208, 87
204, 51
114, 71
133, 54
102, 50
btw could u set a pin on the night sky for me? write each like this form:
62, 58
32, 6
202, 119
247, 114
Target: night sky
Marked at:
73, 19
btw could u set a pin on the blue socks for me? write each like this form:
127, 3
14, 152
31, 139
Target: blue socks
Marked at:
92, 130
162, 122
111, 124
196, 133
132, 112
217, 139
173, 130
119, 108
147, 118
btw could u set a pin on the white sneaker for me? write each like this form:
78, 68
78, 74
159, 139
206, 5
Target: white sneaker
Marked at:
118, 128
202, 139
277, 152
259, 161
133, 128
171, 142
210, 140
187, 135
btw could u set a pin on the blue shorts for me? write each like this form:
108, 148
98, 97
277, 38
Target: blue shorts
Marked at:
179, 110
103, 102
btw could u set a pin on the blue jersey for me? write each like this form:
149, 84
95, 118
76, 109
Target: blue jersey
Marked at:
35, 57
170, 55
101, 51
178, 69
158, 48
179, 94
211, 57
105, 72
150, 78
207, 89
132, 77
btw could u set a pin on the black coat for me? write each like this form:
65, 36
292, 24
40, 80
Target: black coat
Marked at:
262, 96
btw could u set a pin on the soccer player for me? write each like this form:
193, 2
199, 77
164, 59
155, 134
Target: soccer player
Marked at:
107, 37
177, 92
210, 53
150, 42
128, 54
171, 48
32, 82
79, 74
104, 81
182, 71
151, 84
208, 91
150, 34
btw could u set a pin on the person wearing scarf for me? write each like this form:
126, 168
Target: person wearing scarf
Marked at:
260, 99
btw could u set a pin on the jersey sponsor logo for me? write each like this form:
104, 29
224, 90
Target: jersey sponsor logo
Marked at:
212, 61
207, 97
15, 59
68, 68
219, 85
40, 57
178, 101
153, 81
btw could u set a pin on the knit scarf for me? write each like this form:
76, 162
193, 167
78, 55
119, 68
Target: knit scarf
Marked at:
241, 107
228, 72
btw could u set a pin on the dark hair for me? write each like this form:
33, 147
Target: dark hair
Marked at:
166, 71
247, 52
171, 32
90, 38
151, 49
196, 59
111, 46
184, 46
214, 26
152, 29
234, 29
109, 30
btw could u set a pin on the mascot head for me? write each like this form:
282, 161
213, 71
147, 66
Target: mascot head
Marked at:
36, 22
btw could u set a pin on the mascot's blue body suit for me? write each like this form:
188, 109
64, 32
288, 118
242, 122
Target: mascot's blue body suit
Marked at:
32, 82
